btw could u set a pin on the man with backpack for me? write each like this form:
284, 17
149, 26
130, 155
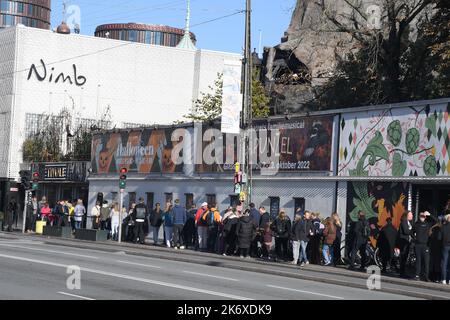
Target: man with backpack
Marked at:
202, 226
139, 217
360, 236
213, 220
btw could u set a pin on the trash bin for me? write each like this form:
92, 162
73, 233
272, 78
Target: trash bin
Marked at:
40, 226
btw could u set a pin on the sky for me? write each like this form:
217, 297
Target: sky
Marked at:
270, 18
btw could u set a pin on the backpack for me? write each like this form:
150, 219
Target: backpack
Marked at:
140, 213
202, 221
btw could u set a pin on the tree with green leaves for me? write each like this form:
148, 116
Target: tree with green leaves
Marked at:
260, 100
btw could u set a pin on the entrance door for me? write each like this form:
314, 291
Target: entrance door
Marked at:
432, 198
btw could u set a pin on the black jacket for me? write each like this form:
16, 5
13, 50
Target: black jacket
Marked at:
421, 230
265, 219
156, 218
301, 230
140, 212
360, 232
281, 228
387, 238
445, 234
404, 233
245, 231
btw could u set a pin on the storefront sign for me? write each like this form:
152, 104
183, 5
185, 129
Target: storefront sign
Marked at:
55, 77
55, 172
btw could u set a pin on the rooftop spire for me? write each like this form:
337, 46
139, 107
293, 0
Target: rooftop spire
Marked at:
186, 41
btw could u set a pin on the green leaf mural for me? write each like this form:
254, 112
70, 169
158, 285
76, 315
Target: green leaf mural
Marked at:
394, 132
363, 202
375, 149
399, 166
430, 166
412, 140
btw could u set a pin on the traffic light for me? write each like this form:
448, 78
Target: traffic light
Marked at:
123, 178
25, 178
36, 178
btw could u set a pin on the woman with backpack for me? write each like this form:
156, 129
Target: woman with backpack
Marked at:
246, 232
281, 228
230, 223
329, 234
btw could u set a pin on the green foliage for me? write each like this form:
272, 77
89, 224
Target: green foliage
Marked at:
391, 66
399, 166
412, 140
430, 166
260, 100
394, 132
209, 106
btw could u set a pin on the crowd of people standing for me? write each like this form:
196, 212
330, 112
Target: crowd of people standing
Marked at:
253, 232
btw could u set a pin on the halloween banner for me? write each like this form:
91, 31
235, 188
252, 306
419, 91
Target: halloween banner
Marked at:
143, 151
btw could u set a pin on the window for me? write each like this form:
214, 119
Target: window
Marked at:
211, 199
131, 198
20, 7
189, 200
169, 197
274, 207
299, 203
158, 38
150, 200
148, 37
132, 35
234, 201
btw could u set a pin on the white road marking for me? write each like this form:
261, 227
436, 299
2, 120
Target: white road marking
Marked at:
309, 292
138, 264
75, 296
127, 277
211, 276
50, 251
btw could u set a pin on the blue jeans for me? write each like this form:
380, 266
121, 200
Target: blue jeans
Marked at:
327, 251
444, 267
155, 234
78, 224
168, 231
303, 256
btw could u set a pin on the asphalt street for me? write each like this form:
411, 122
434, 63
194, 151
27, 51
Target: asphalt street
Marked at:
32, 269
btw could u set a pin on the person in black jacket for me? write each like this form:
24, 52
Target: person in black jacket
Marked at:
139, 216
445, 235
246, 232
435, 244
281, 228
360, 236
265, 219
156, 222
420, 233
386, 243
230, 223
404, 240
189, 228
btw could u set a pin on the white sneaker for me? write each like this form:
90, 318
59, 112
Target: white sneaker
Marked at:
182, 247
444, 282
302, 265
242, 257
307, 262
176, 248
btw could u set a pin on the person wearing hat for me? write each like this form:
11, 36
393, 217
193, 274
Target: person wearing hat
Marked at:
360, 236
202, 226
420, 234
139, 217
179, 220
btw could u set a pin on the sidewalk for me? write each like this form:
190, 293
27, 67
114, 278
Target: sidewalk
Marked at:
333, 275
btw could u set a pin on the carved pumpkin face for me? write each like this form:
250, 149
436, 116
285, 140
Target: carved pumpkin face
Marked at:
104, 161
168, 165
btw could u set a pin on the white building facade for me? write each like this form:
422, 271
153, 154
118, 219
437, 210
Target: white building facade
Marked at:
42, 72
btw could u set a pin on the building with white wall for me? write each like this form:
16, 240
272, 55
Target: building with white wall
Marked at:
42, 72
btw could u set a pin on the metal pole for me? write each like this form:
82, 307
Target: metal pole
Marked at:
247, 119
120, 215
25, 207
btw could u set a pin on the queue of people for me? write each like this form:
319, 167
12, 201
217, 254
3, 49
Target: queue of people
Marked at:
254, 233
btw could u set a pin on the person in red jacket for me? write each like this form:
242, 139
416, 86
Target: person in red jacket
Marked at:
202, 227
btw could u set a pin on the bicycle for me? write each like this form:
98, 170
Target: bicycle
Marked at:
372, 253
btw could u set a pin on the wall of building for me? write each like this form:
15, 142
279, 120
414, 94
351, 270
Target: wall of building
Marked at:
139, 83
7, 69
